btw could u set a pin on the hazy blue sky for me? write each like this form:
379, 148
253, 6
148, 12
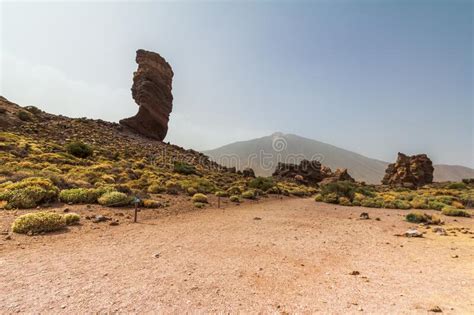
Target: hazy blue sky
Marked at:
375, 77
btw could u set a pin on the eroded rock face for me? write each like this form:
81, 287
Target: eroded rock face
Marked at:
151, 90
340, 174
307, 171
409, 171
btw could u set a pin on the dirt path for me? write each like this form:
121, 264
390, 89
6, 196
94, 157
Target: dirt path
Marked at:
296, 258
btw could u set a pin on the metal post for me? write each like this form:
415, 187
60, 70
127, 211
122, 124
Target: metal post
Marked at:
218, 201
136, 212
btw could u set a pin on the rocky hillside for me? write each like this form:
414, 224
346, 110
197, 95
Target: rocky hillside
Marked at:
45, 158
264, 153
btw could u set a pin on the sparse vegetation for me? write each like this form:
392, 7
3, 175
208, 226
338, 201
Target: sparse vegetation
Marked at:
234, 198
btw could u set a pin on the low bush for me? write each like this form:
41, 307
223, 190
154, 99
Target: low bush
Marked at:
318, 198
340, 189
172, 187
401, 204
199, 204
234, 198
28, 193
416, 217
371, 203
38, 222
453, 212
150, 203
419, 203
458, 205
184, 168
79, 195
72, 218
330, 198
419, 217
199, 198
249, 194
221, 194
156, 188
24, 116
343, 201
436, 205
79, 149
262, 183
457, 185
114, 199
234, 190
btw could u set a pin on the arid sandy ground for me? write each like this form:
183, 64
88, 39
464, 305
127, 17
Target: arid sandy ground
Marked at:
296, 258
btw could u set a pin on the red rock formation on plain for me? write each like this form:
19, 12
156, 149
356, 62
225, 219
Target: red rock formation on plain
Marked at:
340, 174
409, 171
151, 90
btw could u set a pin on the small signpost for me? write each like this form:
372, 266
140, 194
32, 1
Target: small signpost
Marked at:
136, 201
218, 202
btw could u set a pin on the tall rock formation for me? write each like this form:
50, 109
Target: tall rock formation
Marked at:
151, 90
409, 171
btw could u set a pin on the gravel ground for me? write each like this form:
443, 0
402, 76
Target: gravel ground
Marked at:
276, 256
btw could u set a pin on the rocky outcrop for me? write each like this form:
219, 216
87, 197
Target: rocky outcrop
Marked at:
151, 90
248, 172
409, 171
307, 171
340, 174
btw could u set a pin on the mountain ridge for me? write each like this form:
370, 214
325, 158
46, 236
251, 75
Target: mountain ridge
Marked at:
280, 147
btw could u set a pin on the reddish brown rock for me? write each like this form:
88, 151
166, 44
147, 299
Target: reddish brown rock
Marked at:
340, 174
409, 171
151, 90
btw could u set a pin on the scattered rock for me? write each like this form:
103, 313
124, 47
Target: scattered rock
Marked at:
413, 233
409, 171
66, 210
354, 273
157, 255
364, 216
454, 256
440, 231
114, 223
99, 218
8, 238
257, 218
435, 309
151, 91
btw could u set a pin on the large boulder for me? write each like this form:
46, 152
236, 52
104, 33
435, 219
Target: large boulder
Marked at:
340, 174
151, 90
409, 171
307, 171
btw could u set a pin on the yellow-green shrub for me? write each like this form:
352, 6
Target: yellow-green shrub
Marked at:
114, 199
234, 198
318, 198
28, 193
199, 198
150, 203
156, 188
249, 194
38, 222
79, 195
451, 211
458, 205
72, 218
343, 201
